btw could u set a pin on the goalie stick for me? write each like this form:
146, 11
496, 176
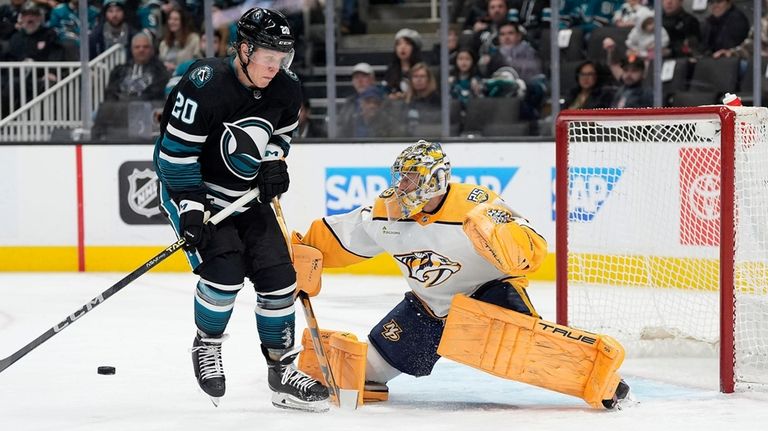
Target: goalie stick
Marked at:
344, 398
103, 296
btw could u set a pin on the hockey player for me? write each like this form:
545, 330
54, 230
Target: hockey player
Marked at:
225, 129
465, 255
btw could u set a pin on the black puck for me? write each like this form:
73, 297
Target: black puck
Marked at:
106, 370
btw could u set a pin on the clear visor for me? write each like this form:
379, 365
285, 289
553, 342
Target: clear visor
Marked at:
271, 58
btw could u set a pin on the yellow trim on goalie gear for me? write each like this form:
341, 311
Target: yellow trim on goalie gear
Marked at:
504, 240
454, 209
335, 255
346, 357
530, 350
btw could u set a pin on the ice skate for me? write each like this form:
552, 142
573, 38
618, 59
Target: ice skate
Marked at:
206, 362
621, 399
293, 389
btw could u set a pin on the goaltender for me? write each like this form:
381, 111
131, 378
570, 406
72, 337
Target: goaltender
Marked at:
465, 255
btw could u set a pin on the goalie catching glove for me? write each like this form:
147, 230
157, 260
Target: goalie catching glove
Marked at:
504, 239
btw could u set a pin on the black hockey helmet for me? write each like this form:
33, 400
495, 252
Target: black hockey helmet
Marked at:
265, 28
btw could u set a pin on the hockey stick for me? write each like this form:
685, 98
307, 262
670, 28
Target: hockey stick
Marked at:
80, 312
344, 398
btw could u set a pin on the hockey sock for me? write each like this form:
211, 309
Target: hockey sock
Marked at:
275, 318
213, 306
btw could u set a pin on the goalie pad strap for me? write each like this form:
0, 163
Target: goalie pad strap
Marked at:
530, 350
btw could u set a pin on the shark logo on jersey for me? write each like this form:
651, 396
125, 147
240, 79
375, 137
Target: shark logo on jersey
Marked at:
428, 267
392, 331
242, 146
201, 75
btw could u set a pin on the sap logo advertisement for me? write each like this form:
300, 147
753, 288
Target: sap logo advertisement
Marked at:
588, 189
349, 188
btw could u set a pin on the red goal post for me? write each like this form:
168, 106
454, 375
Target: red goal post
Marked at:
659, 238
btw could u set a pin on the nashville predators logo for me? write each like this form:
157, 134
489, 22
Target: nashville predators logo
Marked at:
391, 331
428, 267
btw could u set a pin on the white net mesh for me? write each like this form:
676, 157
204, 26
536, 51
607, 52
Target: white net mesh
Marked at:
643, 235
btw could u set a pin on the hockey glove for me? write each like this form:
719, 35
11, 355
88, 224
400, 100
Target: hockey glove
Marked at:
272, 179
192, 225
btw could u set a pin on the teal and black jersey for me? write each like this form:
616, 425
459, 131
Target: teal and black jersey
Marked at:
215, 130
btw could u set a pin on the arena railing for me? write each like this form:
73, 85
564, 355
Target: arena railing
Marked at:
58, 106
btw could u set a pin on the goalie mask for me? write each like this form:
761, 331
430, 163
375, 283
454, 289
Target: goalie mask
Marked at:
421, 172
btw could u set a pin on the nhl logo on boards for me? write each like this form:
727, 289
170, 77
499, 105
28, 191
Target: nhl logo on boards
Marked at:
138, 191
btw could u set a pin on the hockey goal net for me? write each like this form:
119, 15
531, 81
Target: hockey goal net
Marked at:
662, 217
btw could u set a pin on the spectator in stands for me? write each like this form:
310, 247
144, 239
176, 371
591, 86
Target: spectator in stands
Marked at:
642, 39
375, 120
453, 47
182, 68
486, 29
745, 49
591, 91
308, 128
351, 111
465, 81
9, 21
407, 53
34, 41
180, 43
141, 78
588, 14
629, 13
512, 51
726, 27
65, 19
682, 27
631, 93
151, 16
112, 29
533, 15
422, 98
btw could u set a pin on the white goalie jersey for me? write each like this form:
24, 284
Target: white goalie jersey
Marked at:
471, 238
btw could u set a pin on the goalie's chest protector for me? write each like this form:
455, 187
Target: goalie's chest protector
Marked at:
432, 251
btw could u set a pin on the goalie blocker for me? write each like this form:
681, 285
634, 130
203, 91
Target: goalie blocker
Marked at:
498, 341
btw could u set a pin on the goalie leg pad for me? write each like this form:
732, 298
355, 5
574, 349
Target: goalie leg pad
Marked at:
346, 358
308, 362
407, 337
530, 350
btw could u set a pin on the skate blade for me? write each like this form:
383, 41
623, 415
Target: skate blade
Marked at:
215, 400
627, 402
285, 401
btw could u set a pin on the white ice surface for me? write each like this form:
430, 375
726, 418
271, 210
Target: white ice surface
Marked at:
146, 330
